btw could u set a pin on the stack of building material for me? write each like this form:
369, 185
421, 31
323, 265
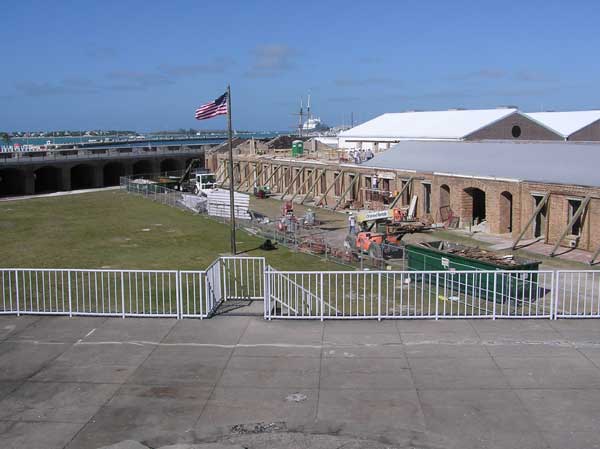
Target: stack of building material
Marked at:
219, 204
194, 202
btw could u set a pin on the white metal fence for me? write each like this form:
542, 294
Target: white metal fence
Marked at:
577, 294
409, 294
130, 293
302, 295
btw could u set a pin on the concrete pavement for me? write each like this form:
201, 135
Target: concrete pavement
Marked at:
246, 382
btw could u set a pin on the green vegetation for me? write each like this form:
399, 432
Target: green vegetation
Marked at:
115, 230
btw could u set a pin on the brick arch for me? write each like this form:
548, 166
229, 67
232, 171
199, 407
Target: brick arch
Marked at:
12, 181
473, 203
505, 221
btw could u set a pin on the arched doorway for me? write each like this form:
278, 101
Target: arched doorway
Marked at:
12, 182
112, 173
169, 165
143, 167
47, 179
506, 213
475, 207
82, 177
445, 211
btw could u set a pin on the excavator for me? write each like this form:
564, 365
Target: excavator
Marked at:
380, 233
199, 182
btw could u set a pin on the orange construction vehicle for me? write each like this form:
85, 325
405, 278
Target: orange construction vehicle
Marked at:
380, 233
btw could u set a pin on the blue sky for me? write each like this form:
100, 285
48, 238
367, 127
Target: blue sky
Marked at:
146, 65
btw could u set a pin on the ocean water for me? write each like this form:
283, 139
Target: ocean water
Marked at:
150, 139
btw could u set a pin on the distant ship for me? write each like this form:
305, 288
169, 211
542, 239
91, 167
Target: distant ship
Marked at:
313, 125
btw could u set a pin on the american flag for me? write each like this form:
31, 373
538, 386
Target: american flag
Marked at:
212, 109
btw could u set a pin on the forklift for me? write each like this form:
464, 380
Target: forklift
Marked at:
380, 233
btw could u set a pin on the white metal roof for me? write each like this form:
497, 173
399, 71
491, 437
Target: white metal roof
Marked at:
551, 162
565, 123
445, 125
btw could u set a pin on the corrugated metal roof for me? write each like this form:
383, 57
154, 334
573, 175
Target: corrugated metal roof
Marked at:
565, 123
452, 124
552, 162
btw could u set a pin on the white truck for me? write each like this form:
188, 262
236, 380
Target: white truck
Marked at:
203, 183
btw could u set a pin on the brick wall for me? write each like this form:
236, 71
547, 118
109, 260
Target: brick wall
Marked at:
502, 129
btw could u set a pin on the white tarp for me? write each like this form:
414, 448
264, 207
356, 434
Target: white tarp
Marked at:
218, 204
194, 202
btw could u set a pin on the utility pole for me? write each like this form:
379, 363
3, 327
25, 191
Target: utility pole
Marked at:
231, 181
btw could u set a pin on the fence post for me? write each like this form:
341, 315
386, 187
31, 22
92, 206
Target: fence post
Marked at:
122, 295
379, 297
322, 302
437, 296
178, 294
554, 292
70, 303
17, 291
494, 297
266, 287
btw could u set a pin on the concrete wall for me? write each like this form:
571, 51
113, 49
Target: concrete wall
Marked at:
503, 130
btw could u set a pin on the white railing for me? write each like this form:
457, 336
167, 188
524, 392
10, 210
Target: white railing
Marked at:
90, 292
243, 277
577, 294
301, 295
409, 294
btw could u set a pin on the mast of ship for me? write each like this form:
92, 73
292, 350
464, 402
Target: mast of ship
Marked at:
308, 108
300, 120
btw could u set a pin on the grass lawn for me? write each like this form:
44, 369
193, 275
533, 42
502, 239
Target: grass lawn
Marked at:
112, 229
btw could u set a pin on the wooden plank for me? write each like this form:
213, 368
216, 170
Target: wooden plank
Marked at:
576, 215
330, 187
312, 187
356, 177
535, 214
408, 183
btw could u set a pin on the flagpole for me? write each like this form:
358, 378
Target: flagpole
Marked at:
231, 179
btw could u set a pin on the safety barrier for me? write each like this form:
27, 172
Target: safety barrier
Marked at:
577, 294
409, 294
130, 293
301, 294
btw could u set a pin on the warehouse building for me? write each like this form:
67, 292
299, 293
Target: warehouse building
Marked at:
523, 190
571, 125
452, 125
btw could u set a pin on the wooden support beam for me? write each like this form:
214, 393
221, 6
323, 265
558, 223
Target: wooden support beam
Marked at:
291, 184
312, 187
576, 215
406, 186
356, 178
324, 195
537, 210
256, 176
272, 173
248, 177
301, 187
218, 173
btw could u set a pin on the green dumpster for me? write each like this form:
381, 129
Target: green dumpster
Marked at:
510, 284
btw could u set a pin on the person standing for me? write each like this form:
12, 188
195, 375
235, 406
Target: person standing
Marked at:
352, 223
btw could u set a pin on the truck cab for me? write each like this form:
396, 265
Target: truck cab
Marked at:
204, 182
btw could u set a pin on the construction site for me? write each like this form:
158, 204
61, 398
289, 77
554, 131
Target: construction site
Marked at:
500, 176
